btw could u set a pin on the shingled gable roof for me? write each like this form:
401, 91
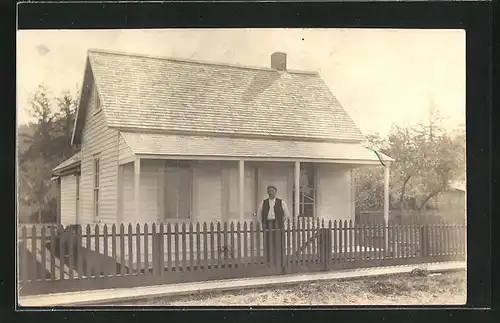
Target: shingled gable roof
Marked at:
154, 94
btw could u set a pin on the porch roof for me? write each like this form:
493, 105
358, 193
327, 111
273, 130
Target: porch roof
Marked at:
224, 147
69, 163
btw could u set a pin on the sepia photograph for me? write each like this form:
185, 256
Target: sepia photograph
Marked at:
241, 167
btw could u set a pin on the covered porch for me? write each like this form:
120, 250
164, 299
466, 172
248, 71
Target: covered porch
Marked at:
196, 179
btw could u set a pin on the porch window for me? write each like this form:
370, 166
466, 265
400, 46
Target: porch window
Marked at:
307, 194
178, 188
96, 171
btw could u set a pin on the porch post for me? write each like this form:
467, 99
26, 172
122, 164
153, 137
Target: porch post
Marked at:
241, 190
386, 203
137, 185
296, 197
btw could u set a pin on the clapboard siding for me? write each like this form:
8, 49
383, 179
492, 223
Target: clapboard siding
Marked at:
124, 151
334, 192
68, 200
128, 197
150, 190
98, 138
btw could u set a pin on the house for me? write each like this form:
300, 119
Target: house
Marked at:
452, 202
167, 140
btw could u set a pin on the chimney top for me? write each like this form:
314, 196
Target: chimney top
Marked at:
278, 61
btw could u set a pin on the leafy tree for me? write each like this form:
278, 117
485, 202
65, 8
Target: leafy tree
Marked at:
42, 146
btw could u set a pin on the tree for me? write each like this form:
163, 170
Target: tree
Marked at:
42, 146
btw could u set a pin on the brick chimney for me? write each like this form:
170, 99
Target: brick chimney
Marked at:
278, 61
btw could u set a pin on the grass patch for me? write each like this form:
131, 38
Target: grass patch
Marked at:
417, 287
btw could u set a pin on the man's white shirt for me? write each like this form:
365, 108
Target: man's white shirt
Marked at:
271, 215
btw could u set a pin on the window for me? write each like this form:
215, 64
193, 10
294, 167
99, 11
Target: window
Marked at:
178, 190
307, 195
96, 186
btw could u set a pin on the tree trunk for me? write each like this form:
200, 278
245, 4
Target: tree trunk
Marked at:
428, 198
403, 191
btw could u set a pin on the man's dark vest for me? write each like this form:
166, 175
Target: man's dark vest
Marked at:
278, 211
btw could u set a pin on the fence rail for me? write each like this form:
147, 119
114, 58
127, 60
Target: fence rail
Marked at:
58, 259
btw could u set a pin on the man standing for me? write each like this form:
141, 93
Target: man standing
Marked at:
272, 212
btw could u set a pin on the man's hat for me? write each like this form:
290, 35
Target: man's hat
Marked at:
272, 186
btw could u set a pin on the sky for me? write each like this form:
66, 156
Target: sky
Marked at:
381, 77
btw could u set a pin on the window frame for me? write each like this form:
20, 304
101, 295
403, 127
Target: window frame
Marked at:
302, 195
97, 100
179, 166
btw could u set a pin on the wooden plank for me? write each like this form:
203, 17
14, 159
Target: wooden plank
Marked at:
212, 246
232, 251
176, 251
43, 252
97, 250
252, 245
246, 252
335, 242
138, 248
113, 248
161, 255
122, 249
352, 249
146, 251
205, 246
71, 255
225, 252
191, 246
23, 264
238, 246
52, 253
184, 262
61, 251
105, 247
198, 246
288, 246
169, 247
154, 252
293, 251
258, 243
33, 268
130, 234
88, 246
303, 240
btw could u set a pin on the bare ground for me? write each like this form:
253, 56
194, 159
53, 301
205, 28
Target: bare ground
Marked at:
418, 288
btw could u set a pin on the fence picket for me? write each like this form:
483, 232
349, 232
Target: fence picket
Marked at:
213, 261
62, 258
52, 252
191, 247
238, 245
205, 246
113, 249
71, 255
231, 251
303, 242
122, 249
23, 264
151, 265
105, 246
169, 247
130, 251
258, 256
246, 252
43, 249
198, 246
88, 244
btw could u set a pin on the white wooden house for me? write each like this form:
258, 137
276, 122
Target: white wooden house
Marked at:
165, 140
